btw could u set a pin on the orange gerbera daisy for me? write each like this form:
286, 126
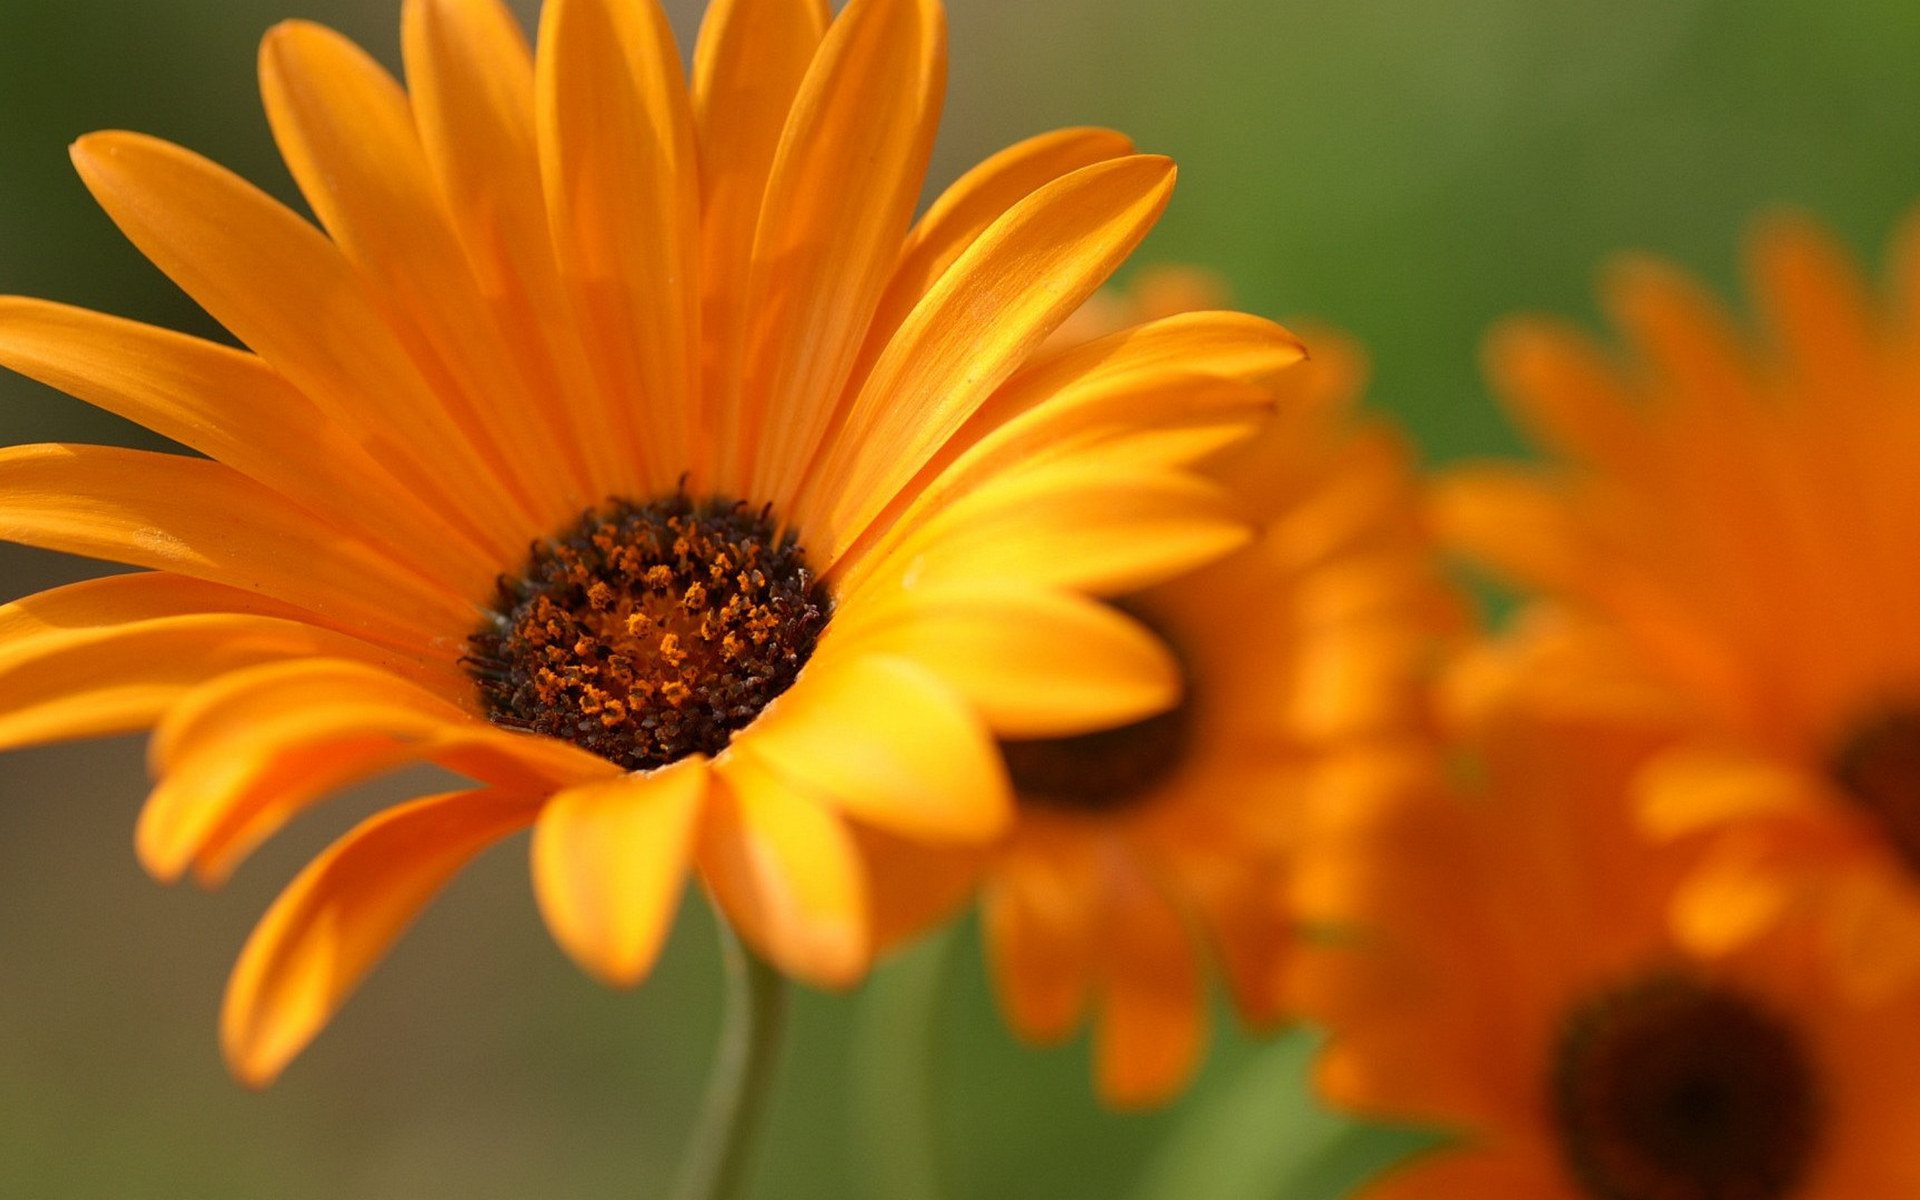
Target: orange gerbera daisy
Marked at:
624, 445
1734, 528
1500, 964
1138, 851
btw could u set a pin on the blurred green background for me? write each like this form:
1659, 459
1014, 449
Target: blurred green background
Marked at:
1406, 169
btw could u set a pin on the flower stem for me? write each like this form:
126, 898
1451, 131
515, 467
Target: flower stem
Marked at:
752, 1020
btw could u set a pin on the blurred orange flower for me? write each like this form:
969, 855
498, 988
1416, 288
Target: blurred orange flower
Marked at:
1499, 964
1141, 851
1726, 539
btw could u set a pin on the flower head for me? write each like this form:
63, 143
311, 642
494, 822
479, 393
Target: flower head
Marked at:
1138, 853
1498, 963
1725, 532
624, 444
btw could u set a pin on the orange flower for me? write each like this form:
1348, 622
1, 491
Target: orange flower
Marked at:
624, 445
1140, 851
1727, 533
1499, 964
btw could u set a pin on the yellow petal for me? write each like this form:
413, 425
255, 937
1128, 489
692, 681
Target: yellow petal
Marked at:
1034, 663
1150, 420
888, 743
747, 70
1030, 271
118, 599
610, 860
957, 218
787, 873
290, 295
1152, 1024
1691, 788
1078, 524
839, 198
470, 74
335, 921
232, 407
98, 679
1686, 336
1511, 519
1738, 890
914, 887
347, 133
1817, 304
1038, 919
622, 187
239, 756
1560, 384
202, 519
1226, 345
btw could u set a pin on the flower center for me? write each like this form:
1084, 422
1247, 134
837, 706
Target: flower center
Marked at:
1100, 772
651, 630
1879, 766
1677, 1089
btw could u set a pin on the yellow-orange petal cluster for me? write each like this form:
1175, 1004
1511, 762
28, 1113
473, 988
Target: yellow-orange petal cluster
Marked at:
1724, 535
563, 295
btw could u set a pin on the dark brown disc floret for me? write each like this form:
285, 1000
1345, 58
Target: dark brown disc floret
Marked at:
1101, 772
1675, 1088
650, 630
1878, 767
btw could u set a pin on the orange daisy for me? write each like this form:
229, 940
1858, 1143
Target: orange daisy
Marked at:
624, 444
1726, 530
1139, 852
1499, 964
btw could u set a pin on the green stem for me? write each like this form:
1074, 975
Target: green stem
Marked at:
752, 1019
893, 1089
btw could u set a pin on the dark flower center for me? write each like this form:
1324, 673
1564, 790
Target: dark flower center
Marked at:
1677, 1089
1879, 766
1101, 772
650, 631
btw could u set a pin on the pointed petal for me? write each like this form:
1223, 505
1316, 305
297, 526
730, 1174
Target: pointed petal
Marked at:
1034, 663
201, 519
1079, 524
1226, 345
116, 678
787, 873
335, 921
622, 187
1512, 519
1152, 1025
470, 76
240, 756
1560, 384
1038, 916
290, 295
885, 742
839, 199
610, 861
1029, 271
1130, 421
967, 209
233, 408
347, 133
747, 69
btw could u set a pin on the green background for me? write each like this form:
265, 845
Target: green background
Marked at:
1407, 169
